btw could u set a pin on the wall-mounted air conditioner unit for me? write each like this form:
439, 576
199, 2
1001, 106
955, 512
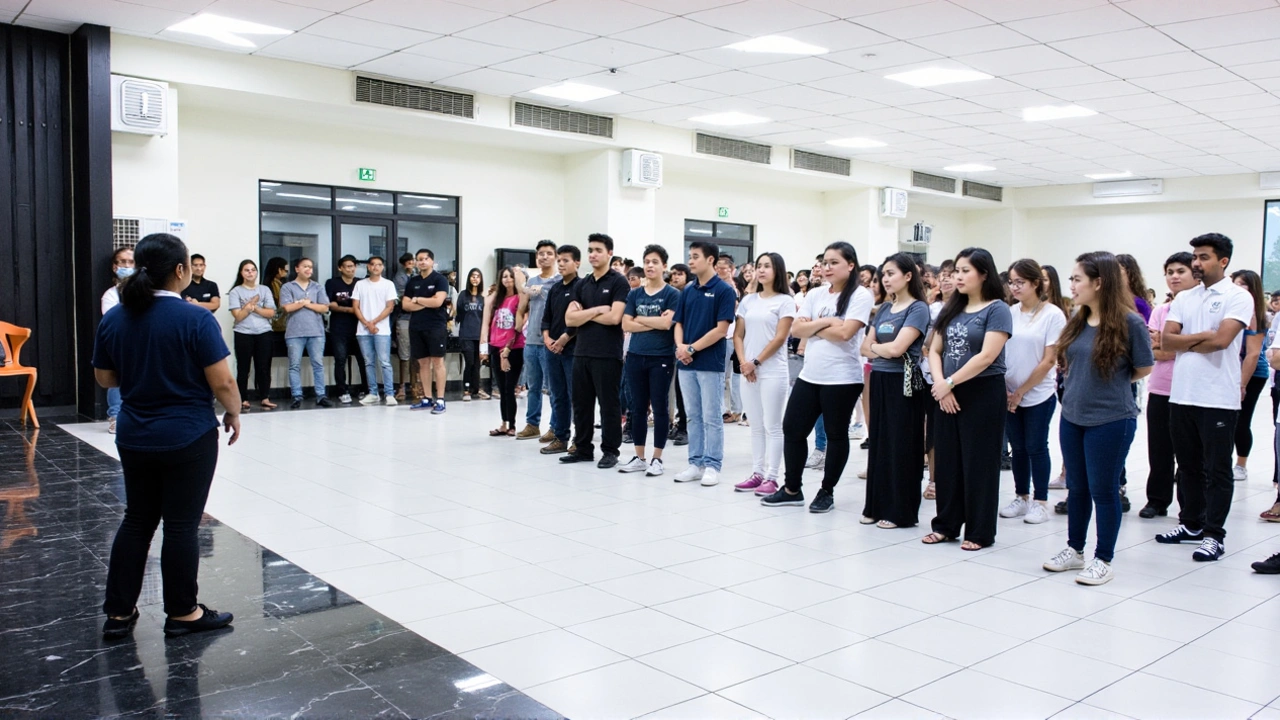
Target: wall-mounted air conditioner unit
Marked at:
1128, 188
139, 106
641, 169
1269, 181
893, 202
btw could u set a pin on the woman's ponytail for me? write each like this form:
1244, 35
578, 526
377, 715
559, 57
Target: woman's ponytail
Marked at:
156, 257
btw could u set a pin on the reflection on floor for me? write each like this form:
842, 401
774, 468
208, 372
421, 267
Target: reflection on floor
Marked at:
299, 646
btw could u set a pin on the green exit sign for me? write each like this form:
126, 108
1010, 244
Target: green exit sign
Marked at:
724, 212
368, 174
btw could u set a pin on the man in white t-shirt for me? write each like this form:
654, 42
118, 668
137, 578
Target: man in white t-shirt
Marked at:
1204, 327
374, 298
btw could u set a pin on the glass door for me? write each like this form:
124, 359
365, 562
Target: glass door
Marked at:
363, 239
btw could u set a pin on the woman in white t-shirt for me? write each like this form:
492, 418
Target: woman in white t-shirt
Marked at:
121, 268
831, 322
1031, 381
764, 322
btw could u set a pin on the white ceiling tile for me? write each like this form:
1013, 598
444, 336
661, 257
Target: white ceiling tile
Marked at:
614, 104
972, 40
946, 108
799, 96
1168, 110
1129, 102
608, 52
1162, 122
760, 17
1080, 23
1259, 71
857, 8
765, 132
887, 55
525, 34
1161, 12
1242, 53
596, 17
1096, 91
435, 16
881, 115
1045, 79
467, 52
985, 119
909, 97
861, 84
112, 13
822, 121
268, 12
786, 113
668, 115
736, 59
674, 68
67, 27
495, 82
1015, 100
1009, 10
622, 81
7, 16
980, 88
1033, 58
734, 82
1176, 62
1160, 83
184, 6
367, 32
848, 105
502, 7
920, 20
1123, 45
1221, 106
1260, 25
801, 71
798, 137
1257, 124
1209, 92
682, 7
414, 67
921, 123
321, 51
546, 66
839, 35
676, 94
1244, 112
679, 35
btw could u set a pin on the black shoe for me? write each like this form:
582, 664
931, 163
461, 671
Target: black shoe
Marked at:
114, 629
325, 402
1006, 462
1209, 550
866, 445
1270, 566
680, 439
1061, 508
576, 458
609, 460
822, 502
1125, 505
782, 498
627, 437
297, 403
209, 620
1179, 534
1151, 511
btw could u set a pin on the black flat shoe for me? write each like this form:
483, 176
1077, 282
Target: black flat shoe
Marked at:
209, 620
114, 629
574, 457
1149, 512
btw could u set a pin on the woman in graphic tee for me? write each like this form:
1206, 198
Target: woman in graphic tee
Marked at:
503, 336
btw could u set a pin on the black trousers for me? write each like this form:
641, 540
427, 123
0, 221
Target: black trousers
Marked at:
895, 465
597, 380
1202, 445
1275, 409
343, 347
506, 382
649, 379
1163, 475
1244, 434
470, 366
808, 402
172, 486
255, 349
967, 458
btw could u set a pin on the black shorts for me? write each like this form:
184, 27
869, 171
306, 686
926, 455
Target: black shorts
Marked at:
428, 343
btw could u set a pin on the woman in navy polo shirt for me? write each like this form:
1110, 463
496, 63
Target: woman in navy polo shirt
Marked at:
167, 432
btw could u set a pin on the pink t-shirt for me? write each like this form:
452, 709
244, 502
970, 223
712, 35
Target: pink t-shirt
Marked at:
1161, 380
504, 326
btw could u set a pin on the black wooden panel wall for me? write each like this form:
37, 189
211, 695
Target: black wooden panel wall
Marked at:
36, 264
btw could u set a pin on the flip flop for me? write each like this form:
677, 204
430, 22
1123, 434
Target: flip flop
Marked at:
936, 538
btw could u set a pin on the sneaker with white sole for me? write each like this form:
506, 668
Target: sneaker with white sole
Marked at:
1059, 482
391, 401
782, 498
768, 487
710, 477
111, 425
655, 468
1016, 508
857, 431
1179, 534
370, 399
1036, 514
1097, 572
817, 460
1239, 473
1209, 550
751, 483
1068, 559
635, 464
693, 473
345, 398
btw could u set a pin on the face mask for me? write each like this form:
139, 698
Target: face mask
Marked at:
124, 272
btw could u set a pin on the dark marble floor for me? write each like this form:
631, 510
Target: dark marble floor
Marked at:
298, 648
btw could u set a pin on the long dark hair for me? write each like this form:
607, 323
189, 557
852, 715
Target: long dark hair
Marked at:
1052, 290
851, 285
1114, 306
992, 288
500, 294
156, 257
1137, 284
907, 266
274, 266
466, 284
780, 285
1254, 285
240, 273
795, 284
1029, 270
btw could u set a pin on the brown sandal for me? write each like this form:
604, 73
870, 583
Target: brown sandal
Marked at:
930, 491
936, 538
1272, 515
267, 405
971, 546
497, 432
245, 406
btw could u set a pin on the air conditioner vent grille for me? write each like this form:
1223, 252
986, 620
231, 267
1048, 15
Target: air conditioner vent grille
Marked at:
558, 120
805, 160
125, 232
734, 149
142, 104
983, 191
414, 97
925, 181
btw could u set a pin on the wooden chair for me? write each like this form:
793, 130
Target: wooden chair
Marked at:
12, 338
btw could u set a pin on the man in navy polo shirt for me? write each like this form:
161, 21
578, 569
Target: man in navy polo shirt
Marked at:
702, 322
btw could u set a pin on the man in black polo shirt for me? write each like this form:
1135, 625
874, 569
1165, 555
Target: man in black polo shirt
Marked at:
595, 310
558, 339
424, 298
342, 327
202, 292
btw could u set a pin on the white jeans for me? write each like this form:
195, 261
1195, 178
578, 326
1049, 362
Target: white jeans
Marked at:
765, 400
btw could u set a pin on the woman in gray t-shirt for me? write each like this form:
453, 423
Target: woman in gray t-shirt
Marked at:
253, 308
966, 357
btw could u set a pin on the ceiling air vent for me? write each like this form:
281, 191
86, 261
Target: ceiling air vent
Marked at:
557, 120
733, 149
983, 192
804, 160
414, 97
925, 181
125, 232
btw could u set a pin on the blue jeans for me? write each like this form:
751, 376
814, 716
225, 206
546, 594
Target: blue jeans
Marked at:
649, 380
315, 349
560, 380
820, 436
535, 367
1028, 434
703, 392
735, 379
1095, 457
113, 401
379, 345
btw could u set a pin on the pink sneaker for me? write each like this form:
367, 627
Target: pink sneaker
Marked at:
750, 483
767, 488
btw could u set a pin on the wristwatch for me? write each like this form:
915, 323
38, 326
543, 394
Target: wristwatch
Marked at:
755, 361
951, 383
689, 350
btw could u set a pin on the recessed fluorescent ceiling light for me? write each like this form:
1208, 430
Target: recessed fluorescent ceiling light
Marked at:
928, 77
777, 44
856, 142
968, 168
1055, 112
1109, 175
574, 92
729, 118
225, 30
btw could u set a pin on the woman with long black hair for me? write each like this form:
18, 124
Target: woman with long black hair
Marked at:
469, 317
1254, 369
169, 360
275, 276
501, 332
800, 286
831, 322
967, 359
895, 464
253, 309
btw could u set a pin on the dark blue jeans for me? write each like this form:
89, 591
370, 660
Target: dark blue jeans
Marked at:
1095, 457
647, 379
1028, 433
560, 381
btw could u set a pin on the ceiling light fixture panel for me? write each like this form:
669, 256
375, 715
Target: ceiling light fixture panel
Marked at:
856, 143
1110, 175
778, 45
574, 92
729, 119
929, 77
225, 30
1045, 113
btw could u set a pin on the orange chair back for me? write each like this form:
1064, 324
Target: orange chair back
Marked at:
12, 338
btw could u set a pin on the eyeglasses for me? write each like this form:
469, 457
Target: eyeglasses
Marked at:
1017, 284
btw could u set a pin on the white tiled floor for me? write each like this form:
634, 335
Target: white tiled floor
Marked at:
606, 595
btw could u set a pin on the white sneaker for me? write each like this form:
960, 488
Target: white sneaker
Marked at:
693, 473
635, 464
1036, 514
391, 401
1097, 572
857, 431
111, 425
345, 398
370, 399
817, 459
655, 468
1017, 508
1059, 482
710, 477
1239, 473
1068, 559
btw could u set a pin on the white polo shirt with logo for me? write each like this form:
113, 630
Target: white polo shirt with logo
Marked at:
1209, 380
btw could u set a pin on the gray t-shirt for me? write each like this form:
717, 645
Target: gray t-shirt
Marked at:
887, 324
253, 323
965, 335
537, 288
1088, 399
305, 322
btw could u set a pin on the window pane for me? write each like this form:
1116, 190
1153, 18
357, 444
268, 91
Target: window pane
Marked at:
365, 201
1271, 247
428, 205
730, 231
362, 241
308, 196
697, 228
439, 238
293, 236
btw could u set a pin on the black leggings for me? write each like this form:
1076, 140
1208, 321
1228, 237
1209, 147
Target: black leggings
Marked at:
834, 404
967, 457
255, 349
471, 366
1244, 434
172, 485
506, 382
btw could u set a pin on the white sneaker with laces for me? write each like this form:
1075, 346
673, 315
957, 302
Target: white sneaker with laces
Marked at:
693, 473
370, 399
391, 401
1036, 514
1017, 508
655, 468
817, 460
1239, 473
635, 464
1068, 559
856, 431
710, 477
345, 398
1097, 572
